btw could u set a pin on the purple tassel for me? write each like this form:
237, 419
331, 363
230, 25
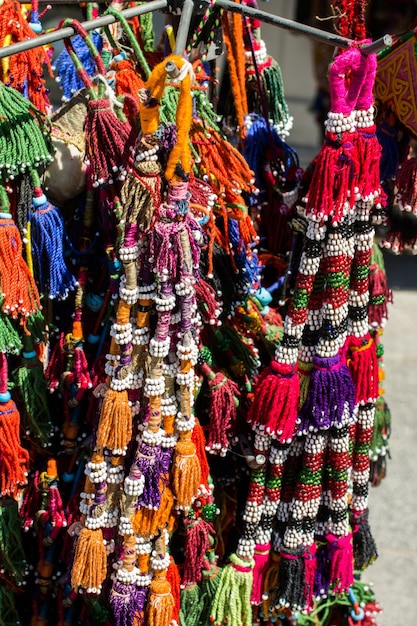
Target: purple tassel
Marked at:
126, 601
150, 463
330, 388
322, 575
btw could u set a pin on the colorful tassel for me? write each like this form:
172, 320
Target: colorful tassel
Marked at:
276, 401
232, 599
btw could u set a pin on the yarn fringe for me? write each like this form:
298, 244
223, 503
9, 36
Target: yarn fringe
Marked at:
276, 401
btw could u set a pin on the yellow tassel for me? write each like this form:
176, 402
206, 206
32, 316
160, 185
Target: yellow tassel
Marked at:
185, 473
115, 427
304, 370
90, 561
160, 604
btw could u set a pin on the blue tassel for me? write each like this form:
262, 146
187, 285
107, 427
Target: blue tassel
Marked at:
47, 232
64, 68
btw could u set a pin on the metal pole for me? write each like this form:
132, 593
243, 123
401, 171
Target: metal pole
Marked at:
302, 29
61, 33
184, 26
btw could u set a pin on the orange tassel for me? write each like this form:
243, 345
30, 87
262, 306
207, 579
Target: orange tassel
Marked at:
13, 459
161, 604
199, 441
115, 427
147, 522
20, 296
89, 568
186, 473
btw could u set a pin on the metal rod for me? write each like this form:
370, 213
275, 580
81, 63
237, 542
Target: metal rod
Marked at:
61, 33
303, 29
184, 26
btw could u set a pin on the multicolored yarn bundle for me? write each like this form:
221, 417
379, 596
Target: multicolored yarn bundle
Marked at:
190, 354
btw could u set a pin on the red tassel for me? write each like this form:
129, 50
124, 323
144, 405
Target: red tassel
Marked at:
223, 405
106, 142
341, 562
196, 545
260, 569
174, 579
310, 566
334, 180
379, 297
276, 401
363, 365
199, 441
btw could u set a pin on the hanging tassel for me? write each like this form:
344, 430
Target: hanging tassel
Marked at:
12, 554
190, 610
127, 600
364, 547
106, 136
19, 292
46, 238
322, 573
65, 71
115, 426
147, 521
291, 581
341, 562
174, 579
186, 474
276, 401
379, 293
379, 446
14, 459
89, 567
310, 565
160, 604
331, 388
10, 342
209, 586
223, 404
24, 136
363, 366
304, 372
199, 440
32, 387
232, 600
24, 71
197, 542
261, 567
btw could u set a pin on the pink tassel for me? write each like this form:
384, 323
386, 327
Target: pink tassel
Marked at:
341, 562
363, 365
276, 401
197, 543
223, 405
310, 566
261, 557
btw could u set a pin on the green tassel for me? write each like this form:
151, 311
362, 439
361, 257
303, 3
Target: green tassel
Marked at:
32, 391
304, 370
190, 608
382, 429
25, 141
8, 613
36, 327
209, 586
10, 342
12, 556
231, 603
